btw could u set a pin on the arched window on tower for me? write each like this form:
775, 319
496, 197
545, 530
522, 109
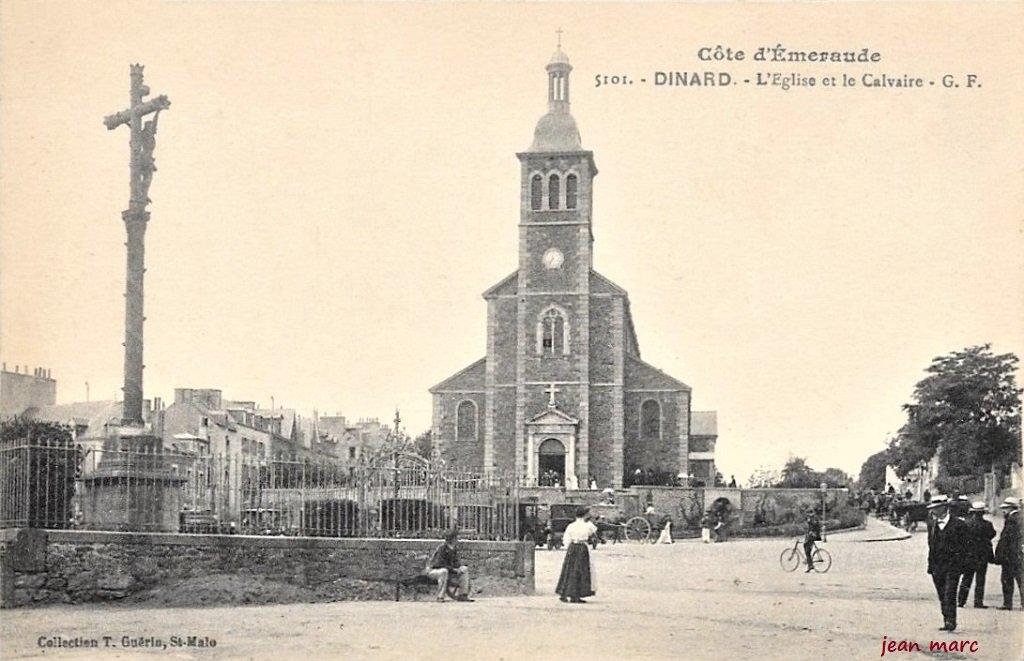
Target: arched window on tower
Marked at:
554, 192
650, 420
553, 333
466, 423
536, 192
570, 191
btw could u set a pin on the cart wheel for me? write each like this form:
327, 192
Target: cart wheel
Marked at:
822, 560
790, 559
638, 529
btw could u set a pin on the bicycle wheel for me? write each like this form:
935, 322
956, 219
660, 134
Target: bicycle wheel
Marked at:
790, 559
822, 560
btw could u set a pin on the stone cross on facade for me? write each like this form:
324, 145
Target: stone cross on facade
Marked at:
142, 142
551, 391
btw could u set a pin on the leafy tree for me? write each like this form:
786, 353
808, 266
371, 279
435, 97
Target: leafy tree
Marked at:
835, 478
764, 478
423, 445
967, 410
797, 474
872, 472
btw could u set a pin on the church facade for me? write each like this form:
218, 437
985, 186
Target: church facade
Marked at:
562, 392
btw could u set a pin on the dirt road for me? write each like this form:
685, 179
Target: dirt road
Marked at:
681, 601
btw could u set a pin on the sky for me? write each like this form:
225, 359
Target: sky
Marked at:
337, 185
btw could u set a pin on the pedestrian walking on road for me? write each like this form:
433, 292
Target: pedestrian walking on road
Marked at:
577, 578
1009, 555
705, 528
980, 547
666, 533
947, 557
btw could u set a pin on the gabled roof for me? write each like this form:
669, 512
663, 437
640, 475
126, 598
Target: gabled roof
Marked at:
469, 378
506, 287
703, 423
602, 285
641, 376
552, 416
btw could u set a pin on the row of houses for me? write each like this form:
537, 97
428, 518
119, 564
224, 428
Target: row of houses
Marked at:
200, 421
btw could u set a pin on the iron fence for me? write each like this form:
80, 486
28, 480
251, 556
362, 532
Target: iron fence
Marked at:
145, 488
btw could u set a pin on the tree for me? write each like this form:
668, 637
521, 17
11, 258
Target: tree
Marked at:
967, 410
423, 445
835, 478
797, 474
872, 472
764, 478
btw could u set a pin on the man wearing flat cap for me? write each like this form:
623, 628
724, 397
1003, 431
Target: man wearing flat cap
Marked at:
947, 557
980, 531
1008, 553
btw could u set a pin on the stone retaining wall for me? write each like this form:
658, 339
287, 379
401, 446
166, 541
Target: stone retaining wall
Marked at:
58, 566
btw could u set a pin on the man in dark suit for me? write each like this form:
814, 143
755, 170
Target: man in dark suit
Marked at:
980, 548
947, 557
1008, 553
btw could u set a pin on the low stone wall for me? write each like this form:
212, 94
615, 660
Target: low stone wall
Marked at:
58, 566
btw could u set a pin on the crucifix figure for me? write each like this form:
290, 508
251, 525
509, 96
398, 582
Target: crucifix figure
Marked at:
551, 390
141, 142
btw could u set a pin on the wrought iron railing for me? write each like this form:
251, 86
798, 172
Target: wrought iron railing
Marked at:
140, 487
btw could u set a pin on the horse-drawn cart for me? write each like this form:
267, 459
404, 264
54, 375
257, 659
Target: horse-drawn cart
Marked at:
907, 514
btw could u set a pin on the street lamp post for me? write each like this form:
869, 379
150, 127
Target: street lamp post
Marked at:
824, 492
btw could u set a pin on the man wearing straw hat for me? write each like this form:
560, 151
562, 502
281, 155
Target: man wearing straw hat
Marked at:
947, 557
981, 532
1008, 553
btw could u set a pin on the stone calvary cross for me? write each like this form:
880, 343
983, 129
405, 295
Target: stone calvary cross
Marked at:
142, 142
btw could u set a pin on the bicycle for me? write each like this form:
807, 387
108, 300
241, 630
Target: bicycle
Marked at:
794, 557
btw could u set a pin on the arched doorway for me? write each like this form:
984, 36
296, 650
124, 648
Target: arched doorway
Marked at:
551, 462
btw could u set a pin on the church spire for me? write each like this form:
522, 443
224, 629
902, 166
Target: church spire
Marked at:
556, 131
558, 81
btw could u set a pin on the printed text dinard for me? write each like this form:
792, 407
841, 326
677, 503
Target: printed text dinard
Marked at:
780, 53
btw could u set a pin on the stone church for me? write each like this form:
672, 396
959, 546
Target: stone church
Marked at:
562, 389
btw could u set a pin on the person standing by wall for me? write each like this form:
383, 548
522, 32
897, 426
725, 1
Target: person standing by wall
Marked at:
1008, 553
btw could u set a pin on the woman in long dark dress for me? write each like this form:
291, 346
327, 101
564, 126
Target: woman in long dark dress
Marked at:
576, 579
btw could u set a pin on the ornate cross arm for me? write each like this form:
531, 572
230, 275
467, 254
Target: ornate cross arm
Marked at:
155, 104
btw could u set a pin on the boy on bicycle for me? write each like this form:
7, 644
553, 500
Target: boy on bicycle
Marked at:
813, 535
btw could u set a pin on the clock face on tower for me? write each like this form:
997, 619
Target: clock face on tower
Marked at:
552, 258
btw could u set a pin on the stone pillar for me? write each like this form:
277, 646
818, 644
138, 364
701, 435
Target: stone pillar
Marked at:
135, 224
531, 457
570, 461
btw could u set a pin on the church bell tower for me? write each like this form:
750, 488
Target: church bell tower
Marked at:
555, 261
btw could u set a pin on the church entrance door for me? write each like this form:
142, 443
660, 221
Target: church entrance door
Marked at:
551, 463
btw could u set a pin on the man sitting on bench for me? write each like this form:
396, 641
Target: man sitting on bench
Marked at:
444, 562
